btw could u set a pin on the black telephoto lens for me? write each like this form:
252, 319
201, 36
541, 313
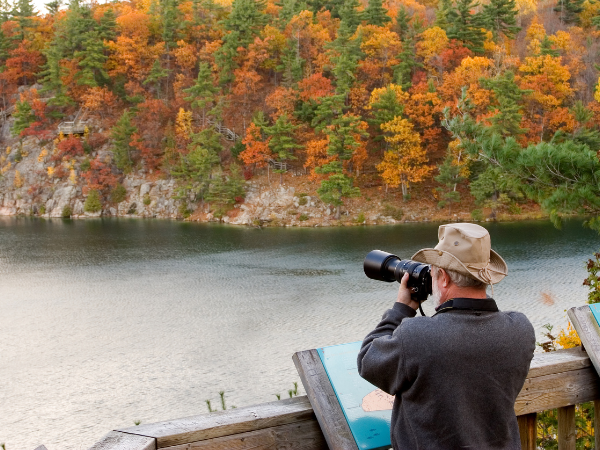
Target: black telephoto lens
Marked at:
383, 266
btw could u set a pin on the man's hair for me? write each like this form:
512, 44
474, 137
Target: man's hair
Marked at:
462, 280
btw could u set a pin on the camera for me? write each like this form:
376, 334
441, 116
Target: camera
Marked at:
383, 266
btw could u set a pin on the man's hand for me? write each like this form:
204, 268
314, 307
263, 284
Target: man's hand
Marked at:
404, 294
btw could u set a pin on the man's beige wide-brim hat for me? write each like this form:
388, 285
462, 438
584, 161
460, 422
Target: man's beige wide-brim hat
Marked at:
465, 248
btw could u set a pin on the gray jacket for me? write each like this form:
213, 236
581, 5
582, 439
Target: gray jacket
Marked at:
455, 376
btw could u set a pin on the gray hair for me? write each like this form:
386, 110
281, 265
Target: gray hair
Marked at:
462, 280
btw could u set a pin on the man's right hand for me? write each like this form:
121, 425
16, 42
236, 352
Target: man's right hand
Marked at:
404, 294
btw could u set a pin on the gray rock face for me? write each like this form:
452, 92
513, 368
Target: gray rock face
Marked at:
35, 189
61, 198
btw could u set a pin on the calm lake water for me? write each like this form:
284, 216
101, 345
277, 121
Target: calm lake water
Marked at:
104, 322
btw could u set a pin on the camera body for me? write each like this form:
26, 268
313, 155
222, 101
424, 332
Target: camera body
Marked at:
383, 266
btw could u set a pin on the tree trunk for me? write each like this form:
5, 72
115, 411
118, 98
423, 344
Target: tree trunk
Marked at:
337, 212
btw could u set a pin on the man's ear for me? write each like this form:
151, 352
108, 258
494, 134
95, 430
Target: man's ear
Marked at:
445, 278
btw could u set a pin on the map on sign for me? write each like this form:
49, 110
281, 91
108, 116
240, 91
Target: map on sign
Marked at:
368, 410
596, 312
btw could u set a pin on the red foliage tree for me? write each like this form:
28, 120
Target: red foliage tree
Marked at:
99, 177
69, 148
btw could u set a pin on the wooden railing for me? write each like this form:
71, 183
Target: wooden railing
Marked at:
560, 379
224, 131
67, 128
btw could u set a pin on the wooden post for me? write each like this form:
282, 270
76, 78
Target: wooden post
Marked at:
528, 431
597, 424
567, 434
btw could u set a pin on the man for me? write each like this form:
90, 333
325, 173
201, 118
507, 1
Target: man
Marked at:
456, 375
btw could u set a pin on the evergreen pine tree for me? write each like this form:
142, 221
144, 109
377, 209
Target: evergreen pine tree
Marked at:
508, 94
465, 26
202, 94
245, 21
282, 141
53, 6
170, 24
569, 10
547, 47
121, 134
107, 26
247, 18
194, 169
385, 109
155, 77
327, 110
337, 187
350, 15
376, 14
402, 23
92, 61
347, 54
343, 134
92, 202
289, 8
501, 18
23, 13
291, 65
442, 14
24, 117
51, 77
333, 6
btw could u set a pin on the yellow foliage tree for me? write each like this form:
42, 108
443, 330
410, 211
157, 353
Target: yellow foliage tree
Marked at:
18, 182
433, 41
406, 161
72, 177
597, 92
183, 123
50, 172
526, 7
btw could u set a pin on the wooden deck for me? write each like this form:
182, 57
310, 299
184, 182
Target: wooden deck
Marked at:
67, 128
560, 379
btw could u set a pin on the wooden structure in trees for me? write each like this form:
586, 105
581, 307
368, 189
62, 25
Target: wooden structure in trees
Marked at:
77, 126
560, 379
277, 165
224, 131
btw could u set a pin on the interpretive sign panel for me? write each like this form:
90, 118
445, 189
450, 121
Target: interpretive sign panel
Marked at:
596, 312
585, 320
365, 409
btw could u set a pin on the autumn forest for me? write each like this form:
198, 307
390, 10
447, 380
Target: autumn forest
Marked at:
497, 101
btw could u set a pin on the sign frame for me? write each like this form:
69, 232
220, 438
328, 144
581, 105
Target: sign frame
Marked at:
588, 330
325, 403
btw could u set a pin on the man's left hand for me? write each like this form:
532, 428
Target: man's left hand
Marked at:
404, 294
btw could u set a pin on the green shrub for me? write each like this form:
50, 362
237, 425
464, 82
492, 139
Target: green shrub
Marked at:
477, 215
67, 212
147, 200
393, 212
42, 210
302, 201
92, 202
513, 208
118, 194
303, 217
184, 211
85, 165
360, 219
